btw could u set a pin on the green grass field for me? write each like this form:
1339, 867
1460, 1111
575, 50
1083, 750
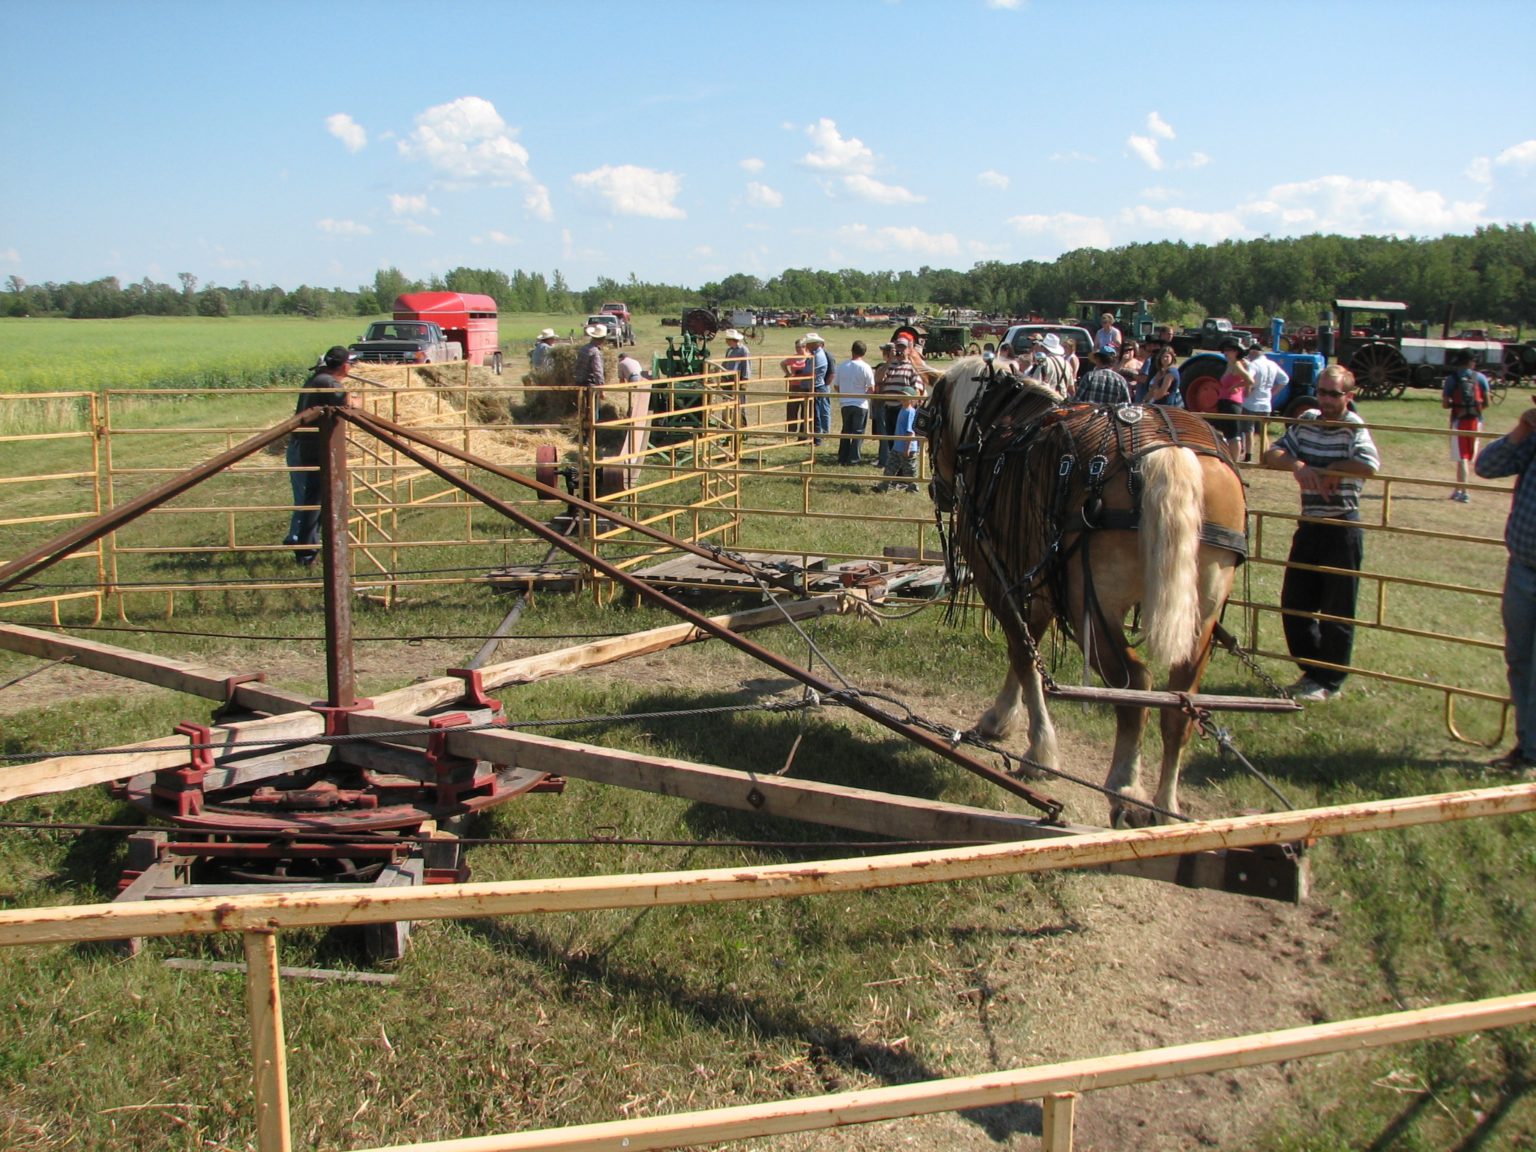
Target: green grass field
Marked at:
506, 1024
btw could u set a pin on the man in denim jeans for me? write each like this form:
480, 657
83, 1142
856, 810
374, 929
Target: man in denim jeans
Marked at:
1514, 454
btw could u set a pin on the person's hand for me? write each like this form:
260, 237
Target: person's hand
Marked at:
1525, 425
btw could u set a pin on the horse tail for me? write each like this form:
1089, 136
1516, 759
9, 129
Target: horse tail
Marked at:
1172, 508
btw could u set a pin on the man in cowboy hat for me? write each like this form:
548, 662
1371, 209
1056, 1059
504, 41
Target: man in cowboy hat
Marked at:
1050, 366
738, 369
591, 373
542, 355
816, 349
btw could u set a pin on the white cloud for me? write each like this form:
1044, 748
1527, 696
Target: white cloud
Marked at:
347, 130
913, 240
410, 205
416, 228
1159, 192
1146, 148
469, 143
1183, 223
1522, 155
1159, 127
703, 250
536, 201
762, 196
1196, 160
1480, 170
10, 256
751, 164
1354, 207
1006, 5
834, 153
1072, 157
634, 191
868, 188
992, 179
343, 227
1070, 229
495, 237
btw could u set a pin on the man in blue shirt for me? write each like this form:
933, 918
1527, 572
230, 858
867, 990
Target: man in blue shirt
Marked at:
738, 370
820, 383
1514, 454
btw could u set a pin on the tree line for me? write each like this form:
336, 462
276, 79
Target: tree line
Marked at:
1489, 275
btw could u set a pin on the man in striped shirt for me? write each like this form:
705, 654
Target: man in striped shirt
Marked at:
1331, 454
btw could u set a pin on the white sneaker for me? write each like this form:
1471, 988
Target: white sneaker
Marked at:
1316, 694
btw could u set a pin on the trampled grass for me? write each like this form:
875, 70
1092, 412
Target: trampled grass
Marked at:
519, 1023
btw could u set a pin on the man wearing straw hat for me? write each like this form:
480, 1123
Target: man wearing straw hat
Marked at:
821, 383
738, 370
542, 355
325, 387
591, 373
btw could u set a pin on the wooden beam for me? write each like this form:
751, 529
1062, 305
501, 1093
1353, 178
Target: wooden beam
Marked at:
269, 1049
62, 774
1157, 699
653, 889
1057, 1114
995, 1089
837, 806
162, 671
323, 975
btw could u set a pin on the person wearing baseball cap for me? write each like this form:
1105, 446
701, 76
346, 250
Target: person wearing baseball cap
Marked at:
325, 388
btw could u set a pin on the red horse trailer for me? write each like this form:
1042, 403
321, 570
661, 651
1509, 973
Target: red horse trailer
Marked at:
464, 317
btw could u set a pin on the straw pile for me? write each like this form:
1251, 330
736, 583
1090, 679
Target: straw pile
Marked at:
434, 403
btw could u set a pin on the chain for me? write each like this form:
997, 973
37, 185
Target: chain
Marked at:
1223, 739
1246, 658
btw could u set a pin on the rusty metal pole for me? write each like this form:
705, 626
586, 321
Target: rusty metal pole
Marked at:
335, 511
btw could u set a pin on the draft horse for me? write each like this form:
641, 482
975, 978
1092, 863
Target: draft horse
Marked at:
1079, 513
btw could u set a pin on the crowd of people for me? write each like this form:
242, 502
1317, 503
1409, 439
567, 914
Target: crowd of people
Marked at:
1328, 450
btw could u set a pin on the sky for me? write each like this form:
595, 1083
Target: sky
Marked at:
292, 143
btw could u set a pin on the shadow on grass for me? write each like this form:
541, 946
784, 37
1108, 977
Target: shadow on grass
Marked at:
826, 1049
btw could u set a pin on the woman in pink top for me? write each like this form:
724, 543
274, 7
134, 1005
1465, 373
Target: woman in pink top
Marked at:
1231, 389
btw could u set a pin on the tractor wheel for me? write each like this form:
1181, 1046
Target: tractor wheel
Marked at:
1426, 376
1296, 405
1380, 371
1498, 387
1200, 380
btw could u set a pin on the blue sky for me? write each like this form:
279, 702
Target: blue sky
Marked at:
314, 143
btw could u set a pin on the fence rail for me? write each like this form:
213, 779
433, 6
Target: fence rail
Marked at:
260, 918
699, 459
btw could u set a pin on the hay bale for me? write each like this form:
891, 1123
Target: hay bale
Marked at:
551, 392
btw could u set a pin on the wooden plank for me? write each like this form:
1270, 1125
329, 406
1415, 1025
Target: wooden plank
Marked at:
1157, 699
62, 774
269, 1050
996, 1089
1057, 1116
777, 881
163, 671
838, 806
324, 975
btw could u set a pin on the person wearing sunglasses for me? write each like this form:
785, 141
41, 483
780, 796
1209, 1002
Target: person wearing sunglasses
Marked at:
1331, 454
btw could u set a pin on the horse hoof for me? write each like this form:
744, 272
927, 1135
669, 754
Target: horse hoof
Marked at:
1129, 816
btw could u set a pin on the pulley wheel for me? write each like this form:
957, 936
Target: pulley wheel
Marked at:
546, 467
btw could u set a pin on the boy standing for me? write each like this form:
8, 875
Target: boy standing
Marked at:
901, 460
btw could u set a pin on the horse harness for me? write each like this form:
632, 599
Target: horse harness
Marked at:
1004, 433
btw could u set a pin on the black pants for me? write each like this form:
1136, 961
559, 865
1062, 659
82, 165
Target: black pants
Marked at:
853, 432
1337, 544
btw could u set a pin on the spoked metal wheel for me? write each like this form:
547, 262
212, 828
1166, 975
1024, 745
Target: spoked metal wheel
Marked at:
1380, 371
